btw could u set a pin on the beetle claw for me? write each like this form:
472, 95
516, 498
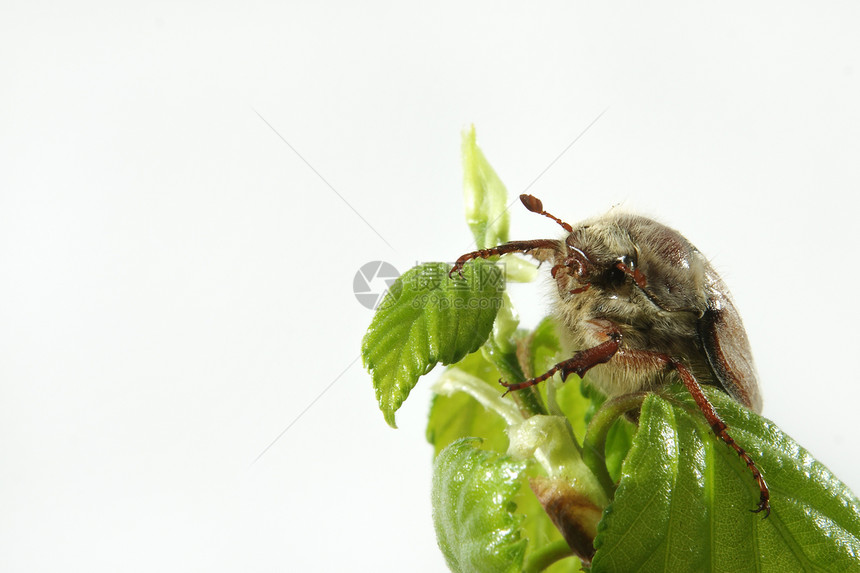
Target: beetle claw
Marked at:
763, 505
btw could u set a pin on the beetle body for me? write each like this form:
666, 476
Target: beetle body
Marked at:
640, 306
680, 308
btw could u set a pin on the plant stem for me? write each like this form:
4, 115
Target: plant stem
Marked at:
594, 444
542, 558
528, 400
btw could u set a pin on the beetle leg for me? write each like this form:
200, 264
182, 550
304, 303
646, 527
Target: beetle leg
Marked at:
586, 359
511, 247
721, 430
717, 425
578, 364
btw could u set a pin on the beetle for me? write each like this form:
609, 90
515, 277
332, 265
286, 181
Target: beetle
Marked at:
642, 307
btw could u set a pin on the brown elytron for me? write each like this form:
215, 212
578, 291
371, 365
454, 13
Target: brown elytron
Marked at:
640, 306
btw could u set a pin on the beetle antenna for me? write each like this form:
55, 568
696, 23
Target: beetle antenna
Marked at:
534, 205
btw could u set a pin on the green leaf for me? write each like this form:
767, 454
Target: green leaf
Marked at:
456, 411
474, 509
684, 500
502, 350
518, 270
461, 416
463, 411
427, 318
545, 348
618, 444
484, 194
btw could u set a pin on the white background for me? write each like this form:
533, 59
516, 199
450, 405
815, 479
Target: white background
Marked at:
176, 282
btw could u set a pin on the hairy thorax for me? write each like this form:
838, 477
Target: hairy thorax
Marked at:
589, 316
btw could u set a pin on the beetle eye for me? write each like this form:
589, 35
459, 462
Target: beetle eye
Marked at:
627, 262
615, 277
